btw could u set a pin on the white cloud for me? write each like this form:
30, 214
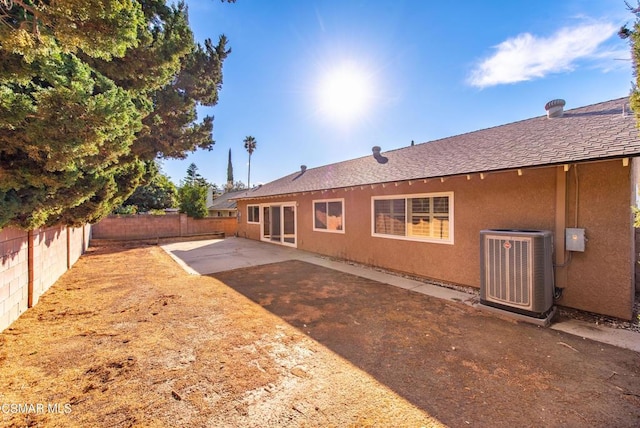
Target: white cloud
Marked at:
527, 57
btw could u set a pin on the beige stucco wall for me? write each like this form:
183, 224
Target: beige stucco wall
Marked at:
598, 280
602, 276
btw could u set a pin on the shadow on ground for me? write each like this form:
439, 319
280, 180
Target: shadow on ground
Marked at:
460, 365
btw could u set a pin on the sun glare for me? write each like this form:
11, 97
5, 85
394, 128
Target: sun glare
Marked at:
345, 93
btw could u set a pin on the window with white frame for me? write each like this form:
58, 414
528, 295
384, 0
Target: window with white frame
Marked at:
425, 217
328, 215
253, 214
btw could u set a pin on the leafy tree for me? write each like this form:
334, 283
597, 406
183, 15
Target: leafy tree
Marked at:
90, 91
193, 176
634, 99
193, 200
125, 210
158, 194
238, 185
249, 144
193, 193
636, 215
634, 39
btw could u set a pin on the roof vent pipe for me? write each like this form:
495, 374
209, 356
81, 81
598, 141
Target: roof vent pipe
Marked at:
303, 168
377, 156
554, 108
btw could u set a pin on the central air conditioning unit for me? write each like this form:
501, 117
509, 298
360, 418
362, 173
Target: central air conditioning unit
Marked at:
516, 271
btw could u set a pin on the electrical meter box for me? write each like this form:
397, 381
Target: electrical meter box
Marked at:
574, 239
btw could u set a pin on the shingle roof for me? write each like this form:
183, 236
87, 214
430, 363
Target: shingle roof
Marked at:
224, 201
599, 131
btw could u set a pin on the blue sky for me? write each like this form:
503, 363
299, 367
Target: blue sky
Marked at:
417, 70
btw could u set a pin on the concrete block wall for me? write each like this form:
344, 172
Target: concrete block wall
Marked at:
14, 277
137, 227
79, 238
54, 250
49, 258
206, 225
153, 227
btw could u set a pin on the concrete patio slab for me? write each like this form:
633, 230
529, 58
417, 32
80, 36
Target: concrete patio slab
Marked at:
220, 255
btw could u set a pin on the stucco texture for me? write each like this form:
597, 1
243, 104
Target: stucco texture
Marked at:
598, 280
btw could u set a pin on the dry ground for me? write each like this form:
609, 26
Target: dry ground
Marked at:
126, 338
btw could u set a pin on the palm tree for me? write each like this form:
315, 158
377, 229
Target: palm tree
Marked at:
250, 145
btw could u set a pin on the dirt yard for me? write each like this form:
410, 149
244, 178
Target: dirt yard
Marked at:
126, 338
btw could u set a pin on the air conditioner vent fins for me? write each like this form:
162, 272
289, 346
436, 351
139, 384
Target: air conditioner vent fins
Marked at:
516, 270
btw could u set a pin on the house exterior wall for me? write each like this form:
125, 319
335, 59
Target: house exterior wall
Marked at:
603, 275
598, 280
635, 202
222, 213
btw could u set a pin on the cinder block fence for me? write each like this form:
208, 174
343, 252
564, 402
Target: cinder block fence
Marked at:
144, 227
32, 262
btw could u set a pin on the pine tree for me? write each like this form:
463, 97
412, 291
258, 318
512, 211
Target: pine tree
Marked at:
193, 193
229, 185
633, 35
90, 91
194, 178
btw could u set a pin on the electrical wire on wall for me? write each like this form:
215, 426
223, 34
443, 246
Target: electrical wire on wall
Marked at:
567, 259
575, 174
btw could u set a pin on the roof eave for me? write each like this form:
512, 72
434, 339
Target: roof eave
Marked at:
443, 176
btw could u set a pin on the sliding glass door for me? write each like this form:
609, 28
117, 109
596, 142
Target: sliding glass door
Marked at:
279, 223
289, 225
